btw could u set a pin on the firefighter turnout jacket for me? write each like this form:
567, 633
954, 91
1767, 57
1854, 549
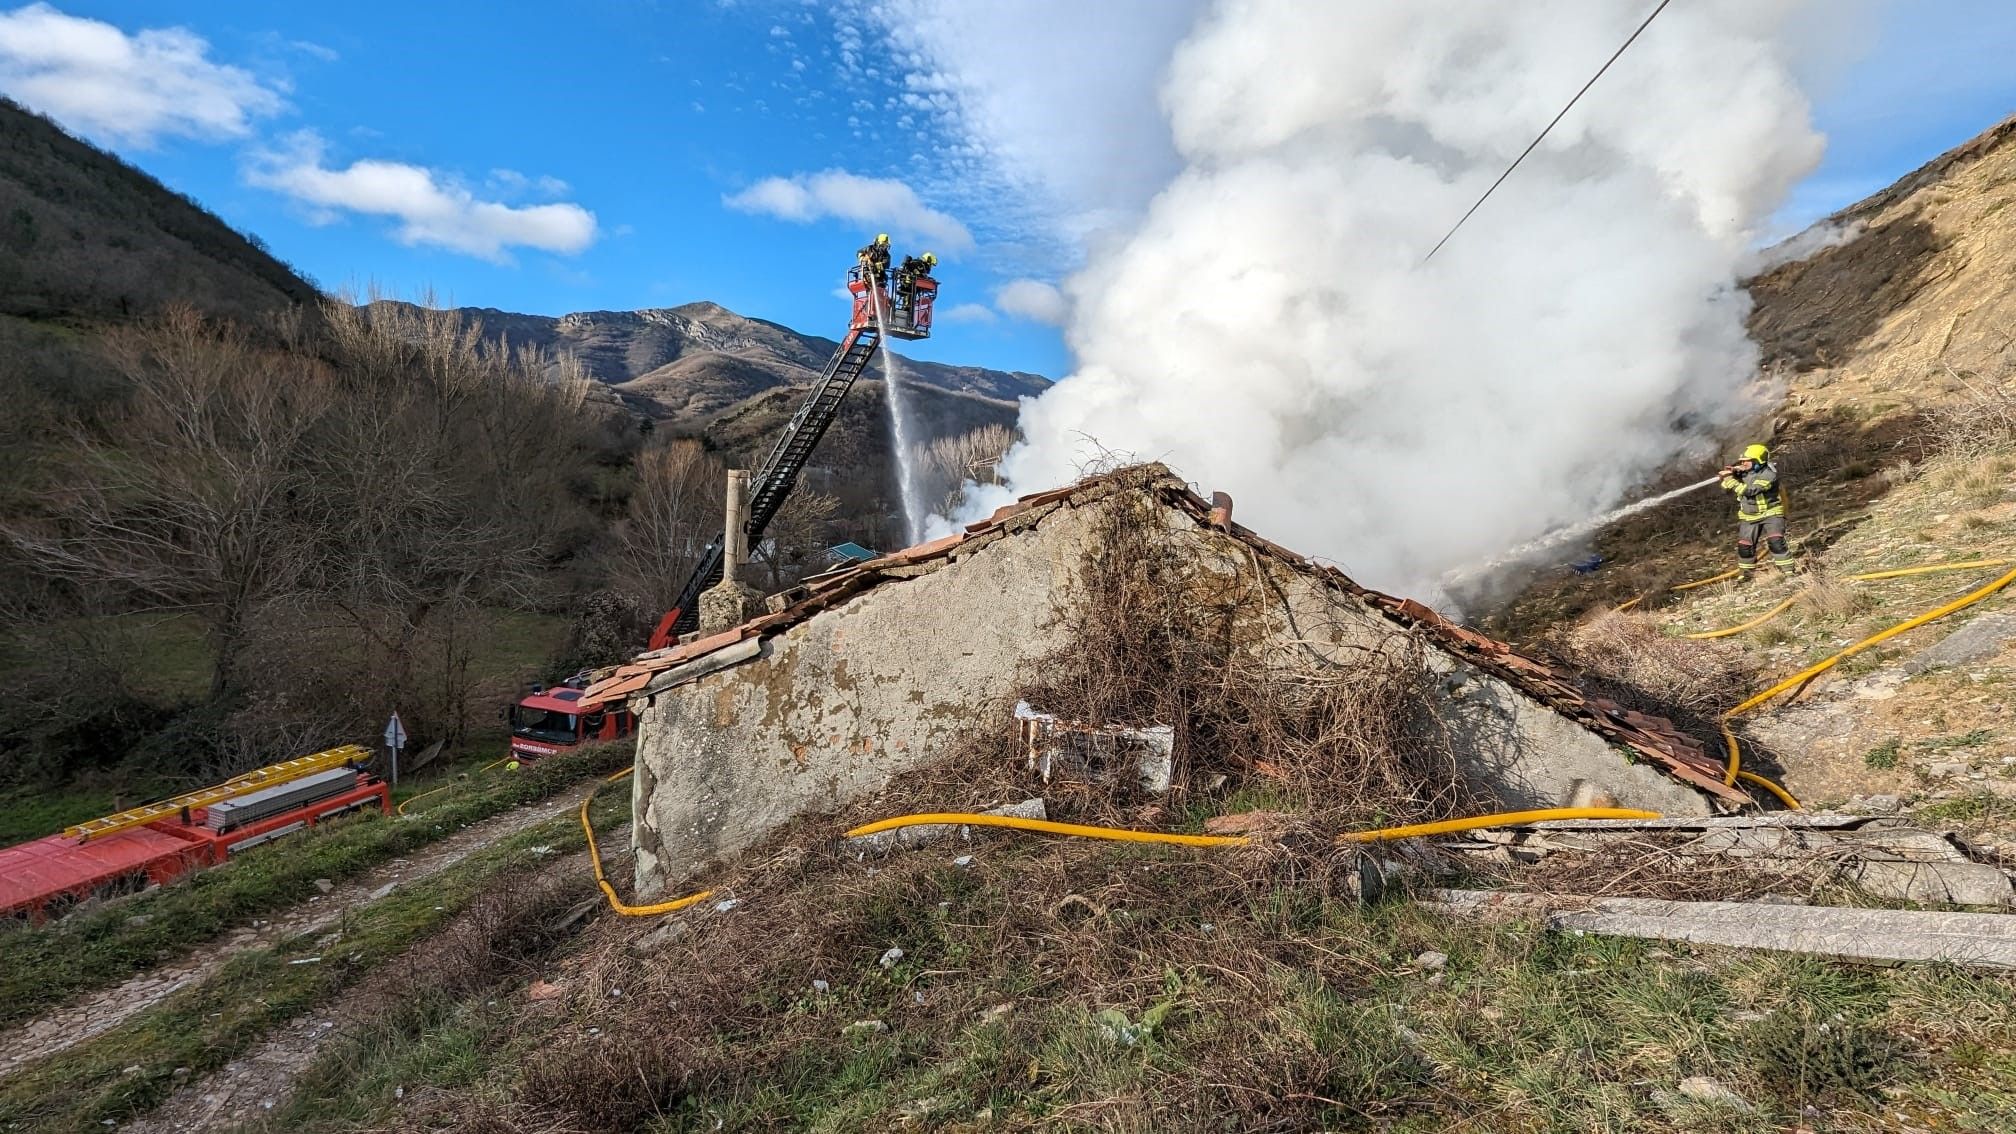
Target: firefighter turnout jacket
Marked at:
1758, 494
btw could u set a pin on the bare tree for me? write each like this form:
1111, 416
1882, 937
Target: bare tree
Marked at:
674, 509
448, 486
948, 464
199, 498
795, 542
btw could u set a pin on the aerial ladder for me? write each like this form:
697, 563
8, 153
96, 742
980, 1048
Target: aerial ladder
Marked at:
287, 771
904, 315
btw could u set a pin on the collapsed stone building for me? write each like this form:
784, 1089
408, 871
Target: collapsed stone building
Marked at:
871, 670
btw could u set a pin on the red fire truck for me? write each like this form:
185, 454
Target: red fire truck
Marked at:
160, 842
550, 721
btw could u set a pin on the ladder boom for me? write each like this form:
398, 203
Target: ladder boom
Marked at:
774, 481
256, 780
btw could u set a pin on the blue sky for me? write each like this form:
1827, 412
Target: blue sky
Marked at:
622, 154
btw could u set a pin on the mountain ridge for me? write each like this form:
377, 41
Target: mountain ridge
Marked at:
694, 361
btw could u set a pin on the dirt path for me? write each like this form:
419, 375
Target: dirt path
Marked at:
69, 1024
248, 1088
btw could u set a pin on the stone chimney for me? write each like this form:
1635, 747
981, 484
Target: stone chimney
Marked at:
728, 604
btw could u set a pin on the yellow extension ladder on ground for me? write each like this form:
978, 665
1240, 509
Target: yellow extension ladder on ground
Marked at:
252, 781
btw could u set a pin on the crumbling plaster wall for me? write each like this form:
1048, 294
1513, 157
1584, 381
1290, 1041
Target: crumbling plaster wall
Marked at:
837, 705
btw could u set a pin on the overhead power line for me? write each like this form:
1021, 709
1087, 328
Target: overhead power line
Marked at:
1543, 133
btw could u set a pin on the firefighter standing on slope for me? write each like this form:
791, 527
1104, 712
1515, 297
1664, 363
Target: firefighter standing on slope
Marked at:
1760, 510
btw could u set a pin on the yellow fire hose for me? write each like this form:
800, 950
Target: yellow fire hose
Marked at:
1800, 680
1703, 582
1075, 830
1865, 577
1733, 772
1112, 834
411, 800
1755, 622
602, 880
1502, 819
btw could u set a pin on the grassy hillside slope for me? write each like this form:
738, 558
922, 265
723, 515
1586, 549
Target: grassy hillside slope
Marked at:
84, 235
1895, 345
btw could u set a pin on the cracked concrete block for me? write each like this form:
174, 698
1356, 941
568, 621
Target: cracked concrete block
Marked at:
1979, 639
1983, 940
1960, 883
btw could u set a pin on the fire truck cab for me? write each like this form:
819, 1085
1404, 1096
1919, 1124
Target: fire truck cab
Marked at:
550, 721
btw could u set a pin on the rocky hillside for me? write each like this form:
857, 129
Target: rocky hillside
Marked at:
1915, 284
690, 363
84, 235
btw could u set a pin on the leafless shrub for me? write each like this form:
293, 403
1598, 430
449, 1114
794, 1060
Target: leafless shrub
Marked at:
1660, 865
948, 464
1982, 422
1901, 473
1627, 654
673, 511
1825, 595
1164, 637
794, 545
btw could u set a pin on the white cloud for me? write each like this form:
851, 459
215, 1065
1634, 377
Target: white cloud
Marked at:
100, 81
968, 313
510, 181
1027, 122
430, 208
875, 202
319, 51
1032, 299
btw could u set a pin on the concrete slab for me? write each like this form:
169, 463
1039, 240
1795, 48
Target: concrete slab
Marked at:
1981, 940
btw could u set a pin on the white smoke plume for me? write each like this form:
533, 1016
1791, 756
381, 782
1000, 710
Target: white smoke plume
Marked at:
1810, 242
1268, 327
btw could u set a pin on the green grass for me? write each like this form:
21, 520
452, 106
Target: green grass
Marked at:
1974, 739
131, 1068
30, 813
1179, 1001
169, 657
1883, 755
439, 1040
516, 642
45, 965
1980, 809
